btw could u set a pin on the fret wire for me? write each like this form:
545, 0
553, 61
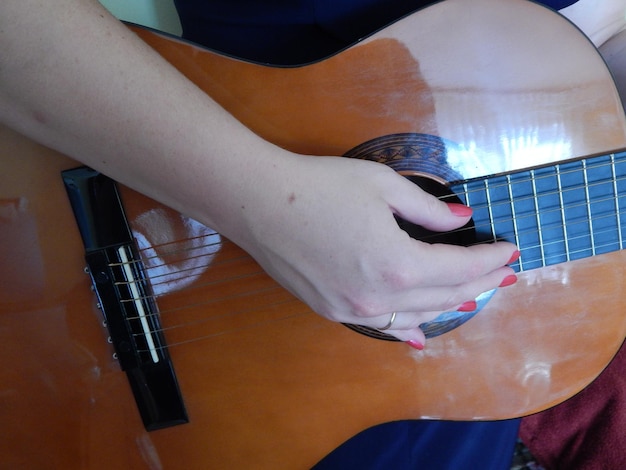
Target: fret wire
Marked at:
616, 198
490, 209
514, 218
466, 194
537, 216
588, 206
562, 208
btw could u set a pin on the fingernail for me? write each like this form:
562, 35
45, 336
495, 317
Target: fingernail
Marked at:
507, 281
415, 344
467, 307
459, 210
514, 257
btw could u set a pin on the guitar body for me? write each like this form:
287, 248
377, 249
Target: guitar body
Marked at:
269, 384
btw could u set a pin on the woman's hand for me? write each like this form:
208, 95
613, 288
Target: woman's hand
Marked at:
324, 228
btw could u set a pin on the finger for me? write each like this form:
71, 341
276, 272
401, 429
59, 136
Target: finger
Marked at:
413, 204
447, 298
405, 327
401, 320
414, 338
450, 265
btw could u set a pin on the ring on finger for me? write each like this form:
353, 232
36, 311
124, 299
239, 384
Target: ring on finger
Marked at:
388, 325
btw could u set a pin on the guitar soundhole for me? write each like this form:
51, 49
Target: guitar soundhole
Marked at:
412, 148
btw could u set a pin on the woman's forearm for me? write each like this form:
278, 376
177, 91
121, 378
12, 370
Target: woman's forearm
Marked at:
77, 80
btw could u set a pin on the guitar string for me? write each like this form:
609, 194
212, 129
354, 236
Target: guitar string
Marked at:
568, 171
216, 244
501, 220
203, 321
527, 261
479, 190
251, 322
213, 335
530, 197
477, 207
221, 315
229, 314
532, 230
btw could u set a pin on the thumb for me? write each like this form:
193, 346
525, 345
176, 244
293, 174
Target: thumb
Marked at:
413, 204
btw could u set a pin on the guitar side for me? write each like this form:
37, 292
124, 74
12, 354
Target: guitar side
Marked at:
279, 386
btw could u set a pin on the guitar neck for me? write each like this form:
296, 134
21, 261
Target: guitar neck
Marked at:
553, 213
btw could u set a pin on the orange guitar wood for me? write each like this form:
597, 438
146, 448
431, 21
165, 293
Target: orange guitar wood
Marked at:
270, 384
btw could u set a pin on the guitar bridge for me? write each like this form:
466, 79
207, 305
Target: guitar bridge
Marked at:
125, 297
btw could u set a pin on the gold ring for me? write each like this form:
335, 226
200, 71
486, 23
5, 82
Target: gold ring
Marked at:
388, 325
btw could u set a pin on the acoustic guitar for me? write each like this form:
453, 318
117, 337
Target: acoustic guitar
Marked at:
174, 350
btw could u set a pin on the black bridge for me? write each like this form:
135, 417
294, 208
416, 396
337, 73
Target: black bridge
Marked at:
125, 297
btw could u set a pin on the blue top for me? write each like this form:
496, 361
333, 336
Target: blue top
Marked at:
283, 32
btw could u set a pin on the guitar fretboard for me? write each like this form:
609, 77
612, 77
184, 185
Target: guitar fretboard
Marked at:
554, 214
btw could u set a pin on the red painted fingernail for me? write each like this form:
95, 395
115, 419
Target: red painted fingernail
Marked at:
459, 209
507, 281
514, 257
467, 307
415, 344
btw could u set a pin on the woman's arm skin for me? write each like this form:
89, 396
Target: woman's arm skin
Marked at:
74, 78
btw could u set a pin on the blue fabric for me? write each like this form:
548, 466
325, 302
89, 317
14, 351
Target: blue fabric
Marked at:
284, 32
432, 445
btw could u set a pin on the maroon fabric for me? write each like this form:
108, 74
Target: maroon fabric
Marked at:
586, 432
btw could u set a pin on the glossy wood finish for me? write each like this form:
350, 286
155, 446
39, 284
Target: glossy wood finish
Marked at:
272, 385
